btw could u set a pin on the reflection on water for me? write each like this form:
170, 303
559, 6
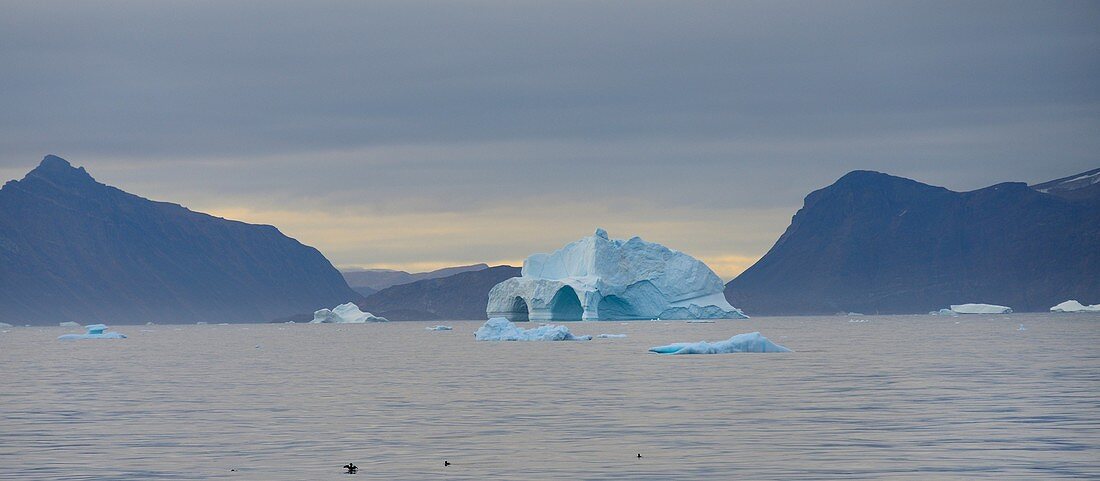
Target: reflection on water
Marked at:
916, 397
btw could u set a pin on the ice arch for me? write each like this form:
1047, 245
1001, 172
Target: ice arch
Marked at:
519, 310
566, 306
598, 278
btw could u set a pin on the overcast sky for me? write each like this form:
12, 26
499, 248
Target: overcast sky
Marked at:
418, 135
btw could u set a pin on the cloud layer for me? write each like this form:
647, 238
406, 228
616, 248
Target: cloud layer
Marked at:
431, 133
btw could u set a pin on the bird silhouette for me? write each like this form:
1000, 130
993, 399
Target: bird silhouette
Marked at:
639, 455
446, 463
351, 467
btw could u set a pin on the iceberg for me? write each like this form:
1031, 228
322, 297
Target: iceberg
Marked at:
1074, 306
439, 328
501, 329
750, 342
600, 279
95, 331
4, 325
345, 314
69, 324
944, 312
980, 309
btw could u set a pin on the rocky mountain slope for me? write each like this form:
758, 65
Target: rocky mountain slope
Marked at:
460, 296
73, 249
875, 243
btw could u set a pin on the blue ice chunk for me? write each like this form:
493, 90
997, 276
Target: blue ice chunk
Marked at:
750, 342
501, 329
95, 331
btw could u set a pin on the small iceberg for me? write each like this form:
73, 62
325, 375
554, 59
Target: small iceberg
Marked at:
345, 314
1074, 306
201, 323
95, 331
439, 328
944, 312
4, 325
611, 336
750, 342
980, 309
1022, 328
501, 329
69, 324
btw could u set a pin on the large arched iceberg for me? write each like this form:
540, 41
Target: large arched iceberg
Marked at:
597, 278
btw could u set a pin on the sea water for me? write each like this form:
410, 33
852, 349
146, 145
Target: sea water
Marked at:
898, 397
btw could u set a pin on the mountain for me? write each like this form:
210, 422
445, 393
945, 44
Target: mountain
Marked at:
73, 249
459, 296
876, 243
378, 279
363, 290
1083, 186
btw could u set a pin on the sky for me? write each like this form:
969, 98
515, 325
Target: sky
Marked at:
417, 135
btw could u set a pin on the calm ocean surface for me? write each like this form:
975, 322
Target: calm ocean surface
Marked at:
898, 397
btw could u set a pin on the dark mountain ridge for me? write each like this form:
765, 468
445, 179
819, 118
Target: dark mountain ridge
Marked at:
1083, 186
374, 280
73, 249
875, 243
460, 296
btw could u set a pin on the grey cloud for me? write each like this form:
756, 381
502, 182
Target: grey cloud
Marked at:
451, 106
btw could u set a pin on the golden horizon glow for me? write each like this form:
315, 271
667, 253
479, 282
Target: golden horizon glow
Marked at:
426, 241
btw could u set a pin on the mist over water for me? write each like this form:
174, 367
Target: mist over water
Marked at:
900, 397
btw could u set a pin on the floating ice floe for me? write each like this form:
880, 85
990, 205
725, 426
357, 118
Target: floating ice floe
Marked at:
601, 279
944, 312
1022, 328
750, 342
69, 324
1074, 306
980, 309
439, 328
611, 336
4, 325
345, 314
201, 323
95, 331
501, 329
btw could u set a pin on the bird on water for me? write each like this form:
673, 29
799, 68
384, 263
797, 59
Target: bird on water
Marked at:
351, 467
